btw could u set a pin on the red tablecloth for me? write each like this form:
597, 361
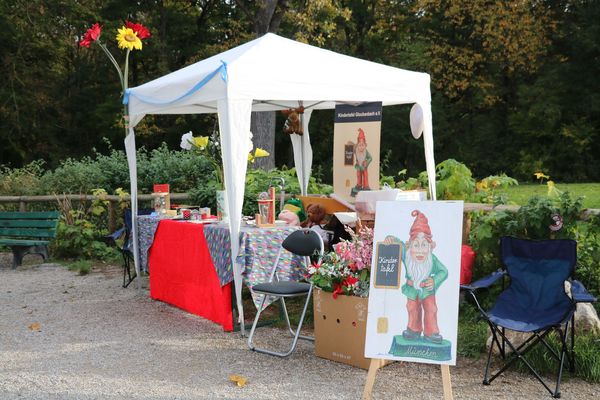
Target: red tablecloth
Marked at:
182, 273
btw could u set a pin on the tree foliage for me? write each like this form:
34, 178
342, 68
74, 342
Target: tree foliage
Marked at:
514, 83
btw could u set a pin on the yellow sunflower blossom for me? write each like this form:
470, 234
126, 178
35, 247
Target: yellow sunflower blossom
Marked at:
261, 153
128, 39
201, 142
257, 154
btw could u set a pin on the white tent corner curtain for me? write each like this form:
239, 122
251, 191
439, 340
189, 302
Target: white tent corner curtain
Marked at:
256, 76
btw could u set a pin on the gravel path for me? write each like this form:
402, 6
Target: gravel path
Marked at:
97, 340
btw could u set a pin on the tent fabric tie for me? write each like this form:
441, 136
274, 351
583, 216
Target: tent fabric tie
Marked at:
149, 100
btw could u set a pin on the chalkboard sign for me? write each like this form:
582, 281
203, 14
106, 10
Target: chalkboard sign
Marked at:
349, 154
388, 260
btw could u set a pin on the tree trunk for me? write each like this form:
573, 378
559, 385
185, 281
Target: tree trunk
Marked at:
262, 125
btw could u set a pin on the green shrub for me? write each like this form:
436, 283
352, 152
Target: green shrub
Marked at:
454, 181
80, 231
257, 181
21, 181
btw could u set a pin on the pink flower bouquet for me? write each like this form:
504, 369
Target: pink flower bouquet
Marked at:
346, 269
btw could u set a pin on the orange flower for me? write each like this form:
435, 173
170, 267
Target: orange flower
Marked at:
91, 35
141, 30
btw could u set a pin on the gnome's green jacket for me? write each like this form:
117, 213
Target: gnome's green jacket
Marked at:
439, 273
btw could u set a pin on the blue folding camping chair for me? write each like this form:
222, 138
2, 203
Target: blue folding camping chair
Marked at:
126, 249
535, 302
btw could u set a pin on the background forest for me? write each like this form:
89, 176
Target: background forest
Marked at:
515, 83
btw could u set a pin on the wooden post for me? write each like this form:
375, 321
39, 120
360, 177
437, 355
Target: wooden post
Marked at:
373, 367
446, 382
22, 206
378, 363
111, 216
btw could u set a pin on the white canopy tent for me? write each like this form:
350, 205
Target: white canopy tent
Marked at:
266, 74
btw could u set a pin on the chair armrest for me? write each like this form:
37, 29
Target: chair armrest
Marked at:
485, 282
111, 238
580, 293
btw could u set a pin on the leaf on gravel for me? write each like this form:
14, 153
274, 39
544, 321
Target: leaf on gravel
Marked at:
35, 326
239, 380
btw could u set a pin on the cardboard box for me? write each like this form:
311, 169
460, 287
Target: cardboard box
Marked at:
330, 205
340, 328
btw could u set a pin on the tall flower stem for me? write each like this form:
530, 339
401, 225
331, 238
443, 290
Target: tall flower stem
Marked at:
125, 86
114, 62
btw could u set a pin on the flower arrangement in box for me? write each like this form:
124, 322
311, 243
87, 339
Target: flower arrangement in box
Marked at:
346, 270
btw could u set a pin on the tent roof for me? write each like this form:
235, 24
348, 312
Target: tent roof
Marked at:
276, 73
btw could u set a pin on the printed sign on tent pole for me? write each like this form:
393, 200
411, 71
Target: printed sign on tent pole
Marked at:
356, 141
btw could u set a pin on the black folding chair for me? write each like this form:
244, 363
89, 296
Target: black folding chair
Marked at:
535, 302
306, 243
126, 249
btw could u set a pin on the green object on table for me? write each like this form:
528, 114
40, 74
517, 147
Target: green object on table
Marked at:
297, 203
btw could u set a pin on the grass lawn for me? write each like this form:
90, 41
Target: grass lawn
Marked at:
589, 191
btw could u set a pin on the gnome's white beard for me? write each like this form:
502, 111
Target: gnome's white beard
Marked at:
418, 270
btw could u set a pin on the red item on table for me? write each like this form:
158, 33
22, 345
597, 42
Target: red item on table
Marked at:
161, 188
183, 274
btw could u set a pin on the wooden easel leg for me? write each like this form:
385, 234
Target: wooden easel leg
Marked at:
447, 383
373, 367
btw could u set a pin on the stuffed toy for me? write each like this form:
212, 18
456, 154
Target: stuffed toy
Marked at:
295, 205
290, 217
316, 215
293, 123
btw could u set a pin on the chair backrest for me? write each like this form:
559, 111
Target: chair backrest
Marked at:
127, 216
304, 242
538, 270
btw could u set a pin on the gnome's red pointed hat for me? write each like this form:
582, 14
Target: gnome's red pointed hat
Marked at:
361, 136
420, 225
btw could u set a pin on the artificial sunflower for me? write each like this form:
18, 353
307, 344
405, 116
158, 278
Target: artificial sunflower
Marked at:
141, 30
201, 142
128, 39
91, 35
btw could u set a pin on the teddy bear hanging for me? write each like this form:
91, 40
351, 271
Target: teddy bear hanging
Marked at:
293, 123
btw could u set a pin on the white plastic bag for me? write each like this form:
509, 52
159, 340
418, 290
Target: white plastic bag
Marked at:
366, 201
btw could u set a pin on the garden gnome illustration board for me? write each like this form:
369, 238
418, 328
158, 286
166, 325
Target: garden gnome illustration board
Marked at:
356, 141
415, 274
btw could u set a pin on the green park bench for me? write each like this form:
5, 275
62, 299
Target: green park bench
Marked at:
27, 233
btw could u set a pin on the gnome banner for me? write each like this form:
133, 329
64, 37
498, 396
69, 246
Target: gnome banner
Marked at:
356, 142
415, 273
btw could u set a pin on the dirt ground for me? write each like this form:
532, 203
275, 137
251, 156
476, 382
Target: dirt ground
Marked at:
66, 336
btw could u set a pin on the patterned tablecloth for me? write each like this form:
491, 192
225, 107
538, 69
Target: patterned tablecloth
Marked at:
258, 251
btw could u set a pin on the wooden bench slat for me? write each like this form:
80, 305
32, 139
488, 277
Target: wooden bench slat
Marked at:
28, 223
29, 233
22, 242
10, 215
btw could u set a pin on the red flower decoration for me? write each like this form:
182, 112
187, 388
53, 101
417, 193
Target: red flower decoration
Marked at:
91, 35
349, 281
141, 30
353, 267
337, 289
